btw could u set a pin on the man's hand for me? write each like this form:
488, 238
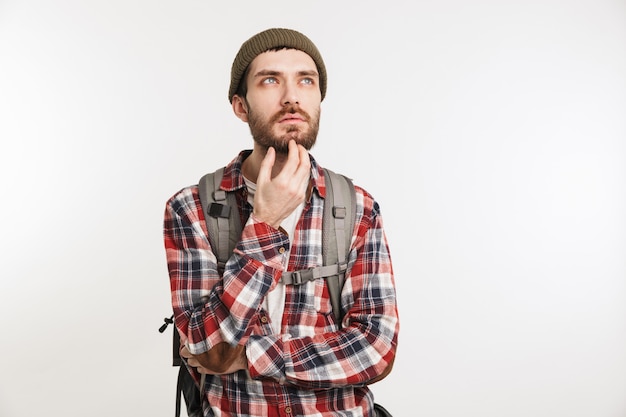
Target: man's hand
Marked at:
278, 196
221, 359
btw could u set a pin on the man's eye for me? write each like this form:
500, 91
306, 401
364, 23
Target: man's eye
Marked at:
308, 81
269, 80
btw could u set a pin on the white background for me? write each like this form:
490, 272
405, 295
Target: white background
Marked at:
493, 134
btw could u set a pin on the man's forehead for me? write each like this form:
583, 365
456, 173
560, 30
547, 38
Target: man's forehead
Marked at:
283, 60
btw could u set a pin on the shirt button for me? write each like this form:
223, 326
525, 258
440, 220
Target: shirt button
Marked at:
281, 250
263, 319
288, 410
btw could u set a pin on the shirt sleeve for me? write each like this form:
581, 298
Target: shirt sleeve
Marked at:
210, 309
366, 344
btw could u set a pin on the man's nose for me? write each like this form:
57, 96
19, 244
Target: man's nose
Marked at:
290, 94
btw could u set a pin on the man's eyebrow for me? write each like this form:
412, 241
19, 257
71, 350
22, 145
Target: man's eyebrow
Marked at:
265, 73
309, 73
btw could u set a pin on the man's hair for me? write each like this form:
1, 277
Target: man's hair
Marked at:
272, 40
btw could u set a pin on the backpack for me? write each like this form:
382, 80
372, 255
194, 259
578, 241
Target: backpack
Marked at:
224, 230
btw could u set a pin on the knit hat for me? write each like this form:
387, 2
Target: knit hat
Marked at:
269, 39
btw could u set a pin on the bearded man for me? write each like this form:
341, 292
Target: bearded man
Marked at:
256, 345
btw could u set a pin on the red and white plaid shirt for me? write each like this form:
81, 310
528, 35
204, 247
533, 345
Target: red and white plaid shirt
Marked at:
312, 368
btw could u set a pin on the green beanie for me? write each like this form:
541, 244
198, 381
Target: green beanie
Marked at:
269, 39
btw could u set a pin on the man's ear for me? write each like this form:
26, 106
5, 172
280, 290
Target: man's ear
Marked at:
240, 108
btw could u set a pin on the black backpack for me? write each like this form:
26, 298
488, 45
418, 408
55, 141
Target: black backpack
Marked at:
224, 228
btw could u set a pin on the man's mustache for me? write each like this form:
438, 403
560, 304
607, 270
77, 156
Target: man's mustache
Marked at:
291, 109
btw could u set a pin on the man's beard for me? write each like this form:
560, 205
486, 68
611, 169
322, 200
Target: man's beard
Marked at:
262, 130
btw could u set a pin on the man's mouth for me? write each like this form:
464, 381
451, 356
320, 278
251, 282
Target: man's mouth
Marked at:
291, 118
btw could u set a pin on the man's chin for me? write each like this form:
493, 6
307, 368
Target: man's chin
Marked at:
281, 148
282, 144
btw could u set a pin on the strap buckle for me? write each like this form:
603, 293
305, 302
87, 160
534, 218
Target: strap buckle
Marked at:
302, 276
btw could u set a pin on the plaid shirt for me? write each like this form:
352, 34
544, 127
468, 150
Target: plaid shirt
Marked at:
312, 368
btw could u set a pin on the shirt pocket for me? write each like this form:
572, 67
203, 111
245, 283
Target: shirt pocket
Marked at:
308, 309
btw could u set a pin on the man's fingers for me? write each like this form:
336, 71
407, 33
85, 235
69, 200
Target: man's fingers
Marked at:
293, 152
305, 161
301, 171
265, 171
293, 160
279, 193
297, 161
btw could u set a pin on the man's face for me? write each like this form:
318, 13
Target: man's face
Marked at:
283, 99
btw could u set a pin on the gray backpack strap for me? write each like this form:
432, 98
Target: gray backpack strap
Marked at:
221, 215
337, 233
337, 228
224, 230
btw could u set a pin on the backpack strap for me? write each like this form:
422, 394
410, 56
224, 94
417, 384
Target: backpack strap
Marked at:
221, 216
337, 228
224, 228
337, 233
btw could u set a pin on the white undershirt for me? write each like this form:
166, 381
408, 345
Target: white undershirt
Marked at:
274, 302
